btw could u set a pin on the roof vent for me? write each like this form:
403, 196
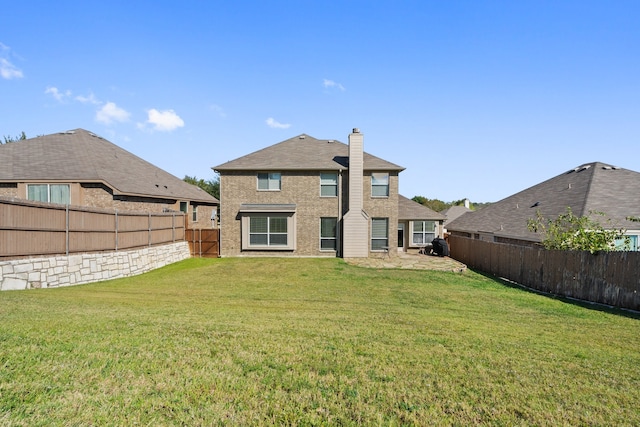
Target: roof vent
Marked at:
330, 141
302, 136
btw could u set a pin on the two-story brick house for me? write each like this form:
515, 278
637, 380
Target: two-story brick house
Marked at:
309, 197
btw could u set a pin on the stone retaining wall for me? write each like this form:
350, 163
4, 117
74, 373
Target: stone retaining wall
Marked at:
53, 272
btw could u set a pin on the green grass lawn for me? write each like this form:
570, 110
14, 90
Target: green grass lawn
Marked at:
311, 342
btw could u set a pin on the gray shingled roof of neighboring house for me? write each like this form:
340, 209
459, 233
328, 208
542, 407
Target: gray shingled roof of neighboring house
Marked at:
304, 152
81, 156
454, 212
590, 187
411, 210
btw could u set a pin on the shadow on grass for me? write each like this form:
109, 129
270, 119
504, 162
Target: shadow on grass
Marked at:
624, 312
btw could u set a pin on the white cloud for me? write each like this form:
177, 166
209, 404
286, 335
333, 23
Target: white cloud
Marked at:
218, 110
166, 120
110, 113
57, 94
7, 69
272, 123
90, 99
330, 83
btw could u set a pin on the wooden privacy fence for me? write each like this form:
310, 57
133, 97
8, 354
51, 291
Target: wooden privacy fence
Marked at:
204, 242
611, 278
32, 228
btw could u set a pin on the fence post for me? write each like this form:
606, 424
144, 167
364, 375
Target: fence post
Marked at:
67, 230
149, 228
116, 225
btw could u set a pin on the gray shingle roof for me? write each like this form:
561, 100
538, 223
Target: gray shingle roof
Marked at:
454, 212
589, 187
410, 210
81, 156
304, 152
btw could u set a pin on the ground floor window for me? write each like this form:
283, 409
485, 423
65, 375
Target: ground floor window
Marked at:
328, 234
423, 232
379, 234
268, 231
51, 193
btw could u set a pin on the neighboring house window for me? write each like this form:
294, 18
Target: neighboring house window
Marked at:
379, 184
268, 231
423, 232
328, 184
633, 243
52, 193
194, 217
379, 234
184, 207
328, 233
269, 181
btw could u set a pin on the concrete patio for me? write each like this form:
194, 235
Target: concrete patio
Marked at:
410, 262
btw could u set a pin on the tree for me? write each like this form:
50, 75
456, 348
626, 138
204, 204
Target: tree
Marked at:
433, 204
577, 233
8, 138
439, 205
211, 186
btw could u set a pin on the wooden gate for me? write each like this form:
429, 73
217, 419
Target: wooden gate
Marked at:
203, 242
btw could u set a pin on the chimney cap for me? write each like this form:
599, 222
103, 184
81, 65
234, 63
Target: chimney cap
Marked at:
356, 130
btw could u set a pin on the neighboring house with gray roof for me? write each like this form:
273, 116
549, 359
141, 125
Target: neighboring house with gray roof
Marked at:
80, 168
453, 212
592, 187
310, 197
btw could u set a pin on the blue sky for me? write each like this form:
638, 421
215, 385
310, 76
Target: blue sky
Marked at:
477, 99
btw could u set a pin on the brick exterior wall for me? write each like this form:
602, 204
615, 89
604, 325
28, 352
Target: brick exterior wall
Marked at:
101, 197
8, 190
303, 190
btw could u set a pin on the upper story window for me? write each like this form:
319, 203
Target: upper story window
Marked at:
379, 184
269, 181
51, 193
328, 184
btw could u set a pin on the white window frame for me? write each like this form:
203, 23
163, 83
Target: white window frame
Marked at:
379, 242
194, 215
49, 188
247, 231
423, 232
327, 238
379, 184
273, 181
328, 182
